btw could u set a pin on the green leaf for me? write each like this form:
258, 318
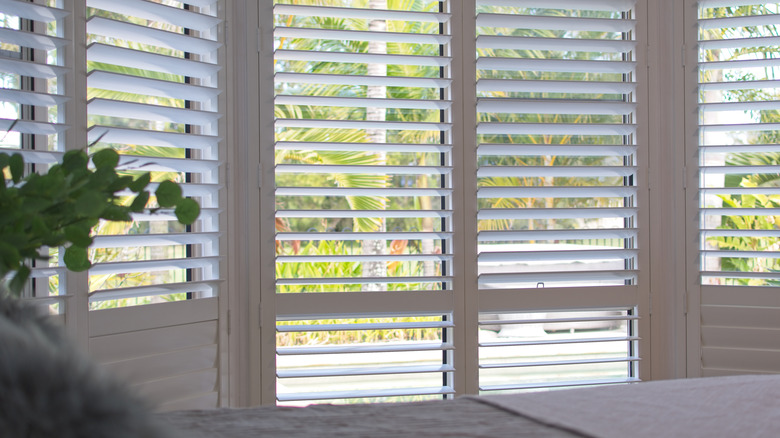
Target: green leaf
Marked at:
78, 235
90, 204
168, 194
187, 211
18, 281
105, 158
16, 165
76, 259
74, 160
140, 183
3, 160
139, 202
116, 213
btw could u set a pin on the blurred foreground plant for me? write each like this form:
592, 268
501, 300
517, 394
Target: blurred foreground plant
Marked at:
60, 207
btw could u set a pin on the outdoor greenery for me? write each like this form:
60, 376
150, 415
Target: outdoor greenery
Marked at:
61, 206
765, 222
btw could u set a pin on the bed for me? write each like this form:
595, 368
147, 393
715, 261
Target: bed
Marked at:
49, 388
739, 406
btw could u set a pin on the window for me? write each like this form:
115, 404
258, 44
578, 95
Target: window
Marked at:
370, 147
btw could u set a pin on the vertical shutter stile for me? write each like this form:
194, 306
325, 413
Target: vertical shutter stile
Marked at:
739, 200
557, 193
363, 200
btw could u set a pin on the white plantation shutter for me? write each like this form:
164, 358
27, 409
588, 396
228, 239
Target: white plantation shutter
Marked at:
154, 92
557, 192
154, 96
33, 66
738, 195
363, 133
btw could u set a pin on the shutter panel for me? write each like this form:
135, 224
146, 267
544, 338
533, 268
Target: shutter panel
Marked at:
153, 95
557, 193
33, 118
738, 196
363, 172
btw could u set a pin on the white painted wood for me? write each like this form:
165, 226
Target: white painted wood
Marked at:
184, 386
745, 360
728, 316
155, 367
112, 348
739, 337
114, 321
206, 400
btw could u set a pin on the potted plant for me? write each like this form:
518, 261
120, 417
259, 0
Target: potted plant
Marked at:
60, 207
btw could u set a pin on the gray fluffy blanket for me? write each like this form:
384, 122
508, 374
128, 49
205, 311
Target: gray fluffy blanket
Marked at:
49, 389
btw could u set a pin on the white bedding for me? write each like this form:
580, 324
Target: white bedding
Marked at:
739, 406
742, 407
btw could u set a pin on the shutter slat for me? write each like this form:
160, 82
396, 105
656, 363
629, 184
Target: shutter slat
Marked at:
554, 23
358, 169
385, 235
31, 97
555, 129
411, 214
111, 134
143, 111
555, 171
157, 12
545, 149
32, 11
550, 106
356, 102
153, 265
207, 287
152, 87
556, 192
354, 35
105, 241
559, 362
345, 191
28, 127
556, 65
563, 44
361, 58
396, 81
359, 280
147, 35
150, 61
30, 39
558, 384
364, 258
365, 326
617, 233
560, 255
365, 371
370, 348
34, 69
532, 86
597, 5
371, 14
361, 124
368, 393
556, 213
556, 276
363, 147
